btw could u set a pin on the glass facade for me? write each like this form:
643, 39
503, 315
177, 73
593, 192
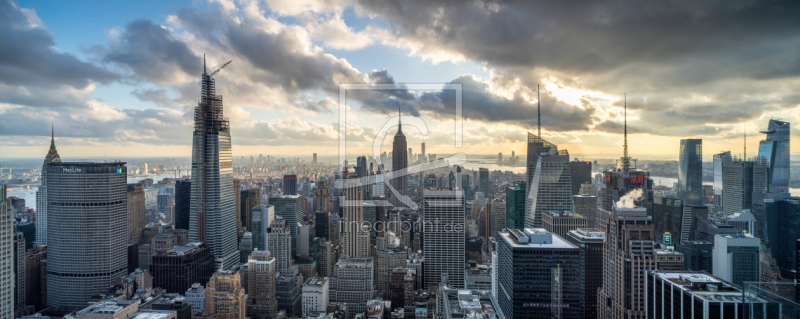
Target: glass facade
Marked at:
690, 171
775, 149
719, 159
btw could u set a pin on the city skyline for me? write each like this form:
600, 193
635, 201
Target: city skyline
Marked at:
137, 78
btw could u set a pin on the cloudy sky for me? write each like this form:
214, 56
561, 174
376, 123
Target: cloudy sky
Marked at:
121, 79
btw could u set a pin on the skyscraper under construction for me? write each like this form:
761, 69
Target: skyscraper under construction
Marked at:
212, 210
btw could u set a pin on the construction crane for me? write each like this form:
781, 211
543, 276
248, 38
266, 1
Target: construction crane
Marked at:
220, 68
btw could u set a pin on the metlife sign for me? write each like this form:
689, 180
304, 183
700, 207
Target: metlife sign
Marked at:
70, 170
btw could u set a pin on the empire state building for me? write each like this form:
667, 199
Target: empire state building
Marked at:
212, 215
399, 164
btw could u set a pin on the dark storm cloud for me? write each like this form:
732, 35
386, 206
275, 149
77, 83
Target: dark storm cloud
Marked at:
28, 55
152, 53
599, 36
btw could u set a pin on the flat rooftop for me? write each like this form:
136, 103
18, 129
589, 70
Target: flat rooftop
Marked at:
539, 238
704, 286
462, 303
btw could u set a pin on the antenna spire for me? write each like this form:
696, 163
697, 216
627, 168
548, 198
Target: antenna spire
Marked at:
625, 159
538, 112
52, 132
399, 120
745, 141
204, 63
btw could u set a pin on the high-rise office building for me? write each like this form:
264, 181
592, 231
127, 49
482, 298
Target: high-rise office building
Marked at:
538, 275
314, 161
629, 251
590, 242
87, 230
443, 221
289, 291
225, 296
322, 216
737, 186
668, 219
550, 188
355, 241
560, 223
176, 269
399, 164
183, 195
166, 203
736, 258
262, 218
249, 199
289, 184
483, 175
515, 205
279, 242
788, 232
261, 271
719, 160
387, 258
316, 295
41, 194
136, 212
212, 208
290, 208
698, 295
35, 277
423, 156
7, 289
580, 173
775, 149
586, 206
18, 244
690, 171
498, 217
353, 283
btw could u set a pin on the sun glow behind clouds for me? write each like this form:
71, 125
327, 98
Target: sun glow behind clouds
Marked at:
570, 95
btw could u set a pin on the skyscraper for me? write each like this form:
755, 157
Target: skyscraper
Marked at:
212, 208
580, 173
538, 275
136, 212
737, 186
250, 199
225, 296
261, 271
315, 159
183, 195
353, 283
279, 242
550, 188
775, 149
87, 228
323, 213
628, 252
177, 268
262, 218
483, 175
515, 205
6, 255
590, 242
736, 258
719, 160
290, 208
423, 157
443, 221
289, 184
399, 164
690, 171
41, 194
355, 241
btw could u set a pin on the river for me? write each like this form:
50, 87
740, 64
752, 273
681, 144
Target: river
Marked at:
29, 194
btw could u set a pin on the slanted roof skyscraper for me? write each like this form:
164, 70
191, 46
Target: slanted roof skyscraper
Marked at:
775, 149
41, 195
212, 209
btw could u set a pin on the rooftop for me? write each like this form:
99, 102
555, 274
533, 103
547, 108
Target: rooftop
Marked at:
564, 214
587, 234
151, 314
535, 238
703, 285
463, 303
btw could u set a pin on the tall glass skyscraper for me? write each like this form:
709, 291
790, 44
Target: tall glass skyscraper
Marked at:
690, 171
719, 159
399, 165
212, 209
775, 149
550, 188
